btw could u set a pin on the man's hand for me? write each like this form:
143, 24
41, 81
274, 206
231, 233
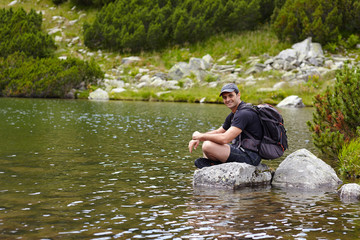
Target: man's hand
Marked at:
196, 135
193, 144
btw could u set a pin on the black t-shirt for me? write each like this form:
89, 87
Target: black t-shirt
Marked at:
245, 119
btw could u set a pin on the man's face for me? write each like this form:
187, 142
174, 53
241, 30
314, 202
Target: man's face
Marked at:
231, 99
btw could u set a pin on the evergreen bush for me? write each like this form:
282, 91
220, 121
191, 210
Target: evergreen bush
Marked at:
21, 31
323, 20
144, 25
22, 76
337, 113
349, 159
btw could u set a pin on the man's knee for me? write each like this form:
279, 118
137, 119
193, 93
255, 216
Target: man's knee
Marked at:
215, 151
207, 146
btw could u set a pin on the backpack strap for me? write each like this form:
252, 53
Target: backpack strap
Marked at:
251, 143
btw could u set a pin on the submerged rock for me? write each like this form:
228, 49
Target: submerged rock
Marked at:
232, 176
303, 170
349, 192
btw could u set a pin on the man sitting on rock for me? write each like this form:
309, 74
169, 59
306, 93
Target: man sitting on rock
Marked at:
216, 148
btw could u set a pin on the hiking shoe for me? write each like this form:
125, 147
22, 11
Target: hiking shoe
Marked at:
204, 162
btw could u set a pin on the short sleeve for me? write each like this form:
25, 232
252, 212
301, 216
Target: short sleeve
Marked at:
227, 123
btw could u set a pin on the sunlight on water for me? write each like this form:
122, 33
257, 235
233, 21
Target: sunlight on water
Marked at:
105, 170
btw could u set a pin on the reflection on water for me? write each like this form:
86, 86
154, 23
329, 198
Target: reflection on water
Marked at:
104, 170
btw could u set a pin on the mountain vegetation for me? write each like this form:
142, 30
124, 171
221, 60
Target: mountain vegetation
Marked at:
23, 76
27, 65
145, 25
327, 22
21, 31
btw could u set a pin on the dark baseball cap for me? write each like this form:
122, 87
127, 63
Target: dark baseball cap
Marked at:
230, 87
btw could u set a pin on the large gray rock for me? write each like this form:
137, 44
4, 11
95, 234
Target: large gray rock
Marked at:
208, 60
179, 70
257, 68
308, 49
305, 52
288, 55
302, 47
303, 170
196, 66
99, 94
349, 192
315, 51
292, 101
198, 63
232, 176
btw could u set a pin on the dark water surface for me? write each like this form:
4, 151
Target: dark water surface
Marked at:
121, 170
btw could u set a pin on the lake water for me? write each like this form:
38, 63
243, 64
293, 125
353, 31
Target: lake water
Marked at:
73, 169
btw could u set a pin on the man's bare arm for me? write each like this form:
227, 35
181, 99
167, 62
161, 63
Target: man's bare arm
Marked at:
216, 131
221, 137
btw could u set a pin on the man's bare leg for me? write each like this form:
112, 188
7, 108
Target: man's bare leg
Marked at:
216, 152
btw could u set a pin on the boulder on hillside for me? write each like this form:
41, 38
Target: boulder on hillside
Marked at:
208, 61
292, 101
197, 66
232, 176
349, 192
308, 49
99, 94
179, 70
303, 170
288, 55
305, 53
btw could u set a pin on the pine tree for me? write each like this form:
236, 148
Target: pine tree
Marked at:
337, 113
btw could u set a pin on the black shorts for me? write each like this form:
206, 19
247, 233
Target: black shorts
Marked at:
243, 156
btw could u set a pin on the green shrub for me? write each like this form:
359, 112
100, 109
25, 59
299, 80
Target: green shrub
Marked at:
331, 47
323, 20
352, 41
349, 159
337, 113
143, 25
210, 78
22, 76
21, 32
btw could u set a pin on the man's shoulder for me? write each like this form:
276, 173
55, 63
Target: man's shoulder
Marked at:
247, 112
